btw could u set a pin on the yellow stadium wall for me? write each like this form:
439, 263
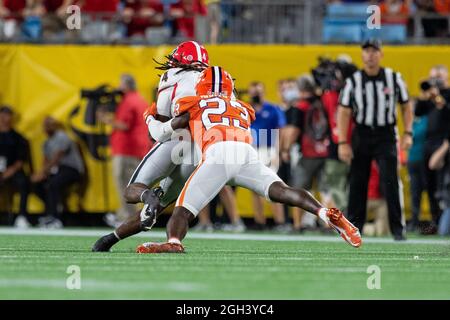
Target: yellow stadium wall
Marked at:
46, 80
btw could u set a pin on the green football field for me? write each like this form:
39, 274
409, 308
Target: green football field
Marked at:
34, 265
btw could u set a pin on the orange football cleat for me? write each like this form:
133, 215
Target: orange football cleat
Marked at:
345, 228
153, 247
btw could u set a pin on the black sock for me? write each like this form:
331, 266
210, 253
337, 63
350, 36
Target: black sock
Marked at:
111, 238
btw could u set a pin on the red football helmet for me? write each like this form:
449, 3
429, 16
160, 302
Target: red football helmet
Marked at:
215, 81
190, 52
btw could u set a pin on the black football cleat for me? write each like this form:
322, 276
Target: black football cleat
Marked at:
105, 243
151, 207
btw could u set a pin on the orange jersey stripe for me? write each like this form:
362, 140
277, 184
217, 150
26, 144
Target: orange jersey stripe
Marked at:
183, 192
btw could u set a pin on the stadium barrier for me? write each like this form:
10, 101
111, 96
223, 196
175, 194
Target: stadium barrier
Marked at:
47, 80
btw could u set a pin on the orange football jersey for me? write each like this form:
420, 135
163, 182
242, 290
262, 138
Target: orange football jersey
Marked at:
215, 119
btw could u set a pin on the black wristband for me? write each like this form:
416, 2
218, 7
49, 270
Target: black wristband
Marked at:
341, 142
409, 133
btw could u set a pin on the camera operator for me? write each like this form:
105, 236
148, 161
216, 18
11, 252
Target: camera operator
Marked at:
330, 77
433, 105
129, 139
439, 78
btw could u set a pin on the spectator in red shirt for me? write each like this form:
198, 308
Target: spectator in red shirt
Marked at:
99, 7
139, 15
335, 172
184, 12
12, 9
129, 139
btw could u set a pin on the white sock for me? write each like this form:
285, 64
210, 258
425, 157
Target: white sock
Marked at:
174, 240
323, 215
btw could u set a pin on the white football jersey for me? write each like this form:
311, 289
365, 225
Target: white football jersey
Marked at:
173, 86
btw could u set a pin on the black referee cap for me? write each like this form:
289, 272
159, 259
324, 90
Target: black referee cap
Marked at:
374, 43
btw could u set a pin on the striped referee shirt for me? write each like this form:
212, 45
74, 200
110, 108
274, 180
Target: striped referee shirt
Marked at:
374, 98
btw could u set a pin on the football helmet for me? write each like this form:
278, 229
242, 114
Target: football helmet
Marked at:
190, 52
215, 80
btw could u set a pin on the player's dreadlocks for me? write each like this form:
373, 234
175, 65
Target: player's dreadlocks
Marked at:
172, 63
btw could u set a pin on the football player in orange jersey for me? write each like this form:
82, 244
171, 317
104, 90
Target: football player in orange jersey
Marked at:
220, 125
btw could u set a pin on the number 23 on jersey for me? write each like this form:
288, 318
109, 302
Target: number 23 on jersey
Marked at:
217, 111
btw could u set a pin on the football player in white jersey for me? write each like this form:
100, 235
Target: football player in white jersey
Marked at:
182, 69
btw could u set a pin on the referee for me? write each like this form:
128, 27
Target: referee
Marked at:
371, 95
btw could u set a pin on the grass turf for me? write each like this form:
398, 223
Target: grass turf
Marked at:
34, 267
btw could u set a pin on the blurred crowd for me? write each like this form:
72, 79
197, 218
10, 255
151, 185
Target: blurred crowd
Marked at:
210, 21
112, 20
402, 12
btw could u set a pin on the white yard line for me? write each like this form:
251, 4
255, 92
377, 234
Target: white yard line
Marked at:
218, 236
97, 285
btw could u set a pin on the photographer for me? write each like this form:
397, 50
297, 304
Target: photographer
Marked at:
439, 78
129, 139
433, 105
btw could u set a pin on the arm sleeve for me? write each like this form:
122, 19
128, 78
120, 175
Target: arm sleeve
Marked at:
160, 131
346, 94
403, 96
